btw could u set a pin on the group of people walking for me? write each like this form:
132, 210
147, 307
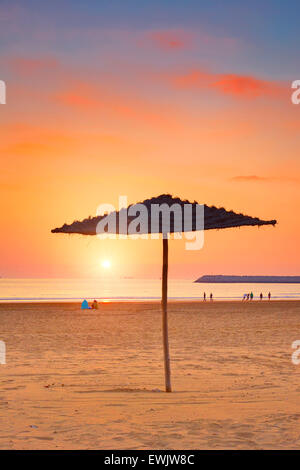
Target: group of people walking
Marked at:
250, 296
210, 297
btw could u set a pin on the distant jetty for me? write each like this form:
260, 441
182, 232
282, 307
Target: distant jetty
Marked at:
250, 279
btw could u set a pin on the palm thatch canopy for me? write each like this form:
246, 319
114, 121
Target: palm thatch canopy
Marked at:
214, 218
210, 218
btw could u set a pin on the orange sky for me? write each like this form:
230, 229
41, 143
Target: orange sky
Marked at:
81, 128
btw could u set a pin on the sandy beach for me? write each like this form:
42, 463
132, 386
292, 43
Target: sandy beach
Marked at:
94, 379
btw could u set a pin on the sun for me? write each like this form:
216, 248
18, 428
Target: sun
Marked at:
106, 264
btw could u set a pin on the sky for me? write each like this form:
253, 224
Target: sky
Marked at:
137, 98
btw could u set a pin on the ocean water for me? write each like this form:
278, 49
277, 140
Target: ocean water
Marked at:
36, 290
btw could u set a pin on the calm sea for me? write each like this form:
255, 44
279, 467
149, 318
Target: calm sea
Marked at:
24, 290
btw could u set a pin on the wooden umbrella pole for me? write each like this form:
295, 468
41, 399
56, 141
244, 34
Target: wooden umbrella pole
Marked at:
164, 302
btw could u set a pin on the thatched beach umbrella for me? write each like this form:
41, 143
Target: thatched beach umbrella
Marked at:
212, 218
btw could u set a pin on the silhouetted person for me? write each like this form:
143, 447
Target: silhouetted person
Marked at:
248, 296
269, 295
251, 296
204, 296
261, 296
211, 297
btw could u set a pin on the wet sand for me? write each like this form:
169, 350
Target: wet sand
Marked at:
94, 379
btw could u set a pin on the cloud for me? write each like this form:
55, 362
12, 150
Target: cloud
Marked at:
267, 179
79, 96
250, 178
240, 86
45, 150
170, 40
113, 104
246, 86
29, 65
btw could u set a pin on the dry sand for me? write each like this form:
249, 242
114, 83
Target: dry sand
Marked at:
94, 379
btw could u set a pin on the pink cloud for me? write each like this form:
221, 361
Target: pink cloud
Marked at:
246, 86
88, 98
241, 86
169, 40
174, 40
28, 65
